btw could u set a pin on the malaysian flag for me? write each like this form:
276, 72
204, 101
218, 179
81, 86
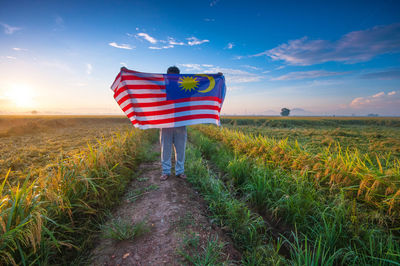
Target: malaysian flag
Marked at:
169, 100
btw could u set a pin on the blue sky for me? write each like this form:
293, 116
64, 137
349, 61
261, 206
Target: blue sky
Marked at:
314, 57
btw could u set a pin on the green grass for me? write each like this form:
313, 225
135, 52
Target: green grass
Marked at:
373, 179
119, 229
247, 229
333, 228
367, 135
211, 254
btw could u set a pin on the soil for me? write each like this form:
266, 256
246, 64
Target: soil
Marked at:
174, 211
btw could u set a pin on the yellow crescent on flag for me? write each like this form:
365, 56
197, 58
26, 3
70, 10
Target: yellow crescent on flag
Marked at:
212, 83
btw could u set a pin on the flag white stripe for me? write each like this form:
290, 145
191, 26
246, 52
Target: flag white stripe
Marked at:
143, 91
144, 82
147, 100
116, 83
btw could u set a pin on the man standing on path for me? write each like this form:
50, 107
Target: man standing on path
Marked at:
176, 136
173, 136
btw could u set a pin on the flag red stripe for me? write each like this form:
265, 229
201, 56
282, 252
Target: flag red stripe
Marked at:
176, 119
133, 77
138, 87
193, 99
144, 95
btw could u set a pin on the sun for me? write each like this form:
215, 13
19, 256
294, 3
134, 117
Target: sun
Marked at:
188, 83
21, 95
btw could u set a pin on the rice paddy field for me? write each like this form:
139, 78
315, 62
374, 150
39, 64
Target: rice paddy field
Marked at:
59, 177
287, 190
329, 187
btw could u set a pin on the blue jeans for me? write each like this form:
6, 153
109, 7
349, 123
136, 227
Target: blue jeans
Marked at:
176, 136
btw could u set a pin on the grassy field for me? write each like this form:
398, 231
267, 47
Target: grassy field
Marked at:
366, 135
59, 175
30, 143
294, 190
340, 201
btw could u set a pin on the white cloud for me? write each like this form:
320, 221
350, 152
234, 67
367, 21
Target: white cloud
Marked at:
232, 75
353, 47
251, 67
147, 37
9, 29
380, 94
11, 57
378, 101
209, 19
120, 46
235, 75
19, 49
235, 88
161, 47
194, 41
229, 45
172, 41
89, 69
191, 67
307, 75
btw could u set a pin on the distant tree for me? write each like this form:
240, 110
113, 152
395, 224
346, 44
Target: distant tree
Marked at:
285, 112
373, 115
34, 112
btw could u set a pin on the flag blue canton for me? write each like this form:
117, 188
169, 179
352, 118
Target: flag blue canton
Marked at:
180, 86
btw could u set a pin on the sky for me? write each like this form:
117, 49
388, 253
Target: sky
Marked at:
313, 57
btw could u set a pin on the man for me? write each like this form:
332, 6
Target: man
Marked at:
176, 136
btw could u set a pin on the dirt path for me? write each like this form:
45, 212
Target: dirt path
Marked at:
178, 221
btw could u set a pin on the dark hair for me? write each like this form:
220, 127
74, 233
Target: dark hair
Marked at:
173, 70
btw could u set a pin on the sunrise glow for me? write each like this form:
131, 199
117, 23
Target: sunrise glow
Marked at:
21, 95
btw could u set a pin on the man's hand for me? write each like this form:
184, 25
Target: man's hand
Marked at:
220, 73
123, 68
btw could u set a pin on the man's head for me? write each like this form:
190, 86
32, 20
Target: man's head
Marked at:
173, 70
